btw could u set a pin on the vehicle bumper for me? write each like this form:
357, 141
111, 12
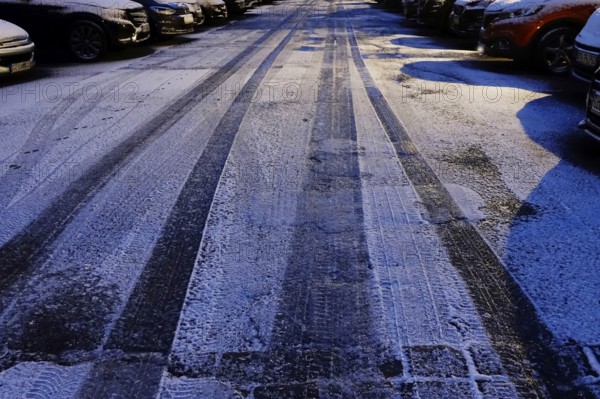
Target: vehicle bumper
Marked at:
592, 129
236, 6
468, 23
508, 37
432, 13
17, 59
216, 13
123, 32
591, 123
168, 25
199, 18
502, 44
584, 62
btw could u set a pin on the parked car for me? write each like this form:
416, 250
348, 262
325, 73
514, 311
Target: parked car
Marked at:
542, 31
214, 10
586, 55
195, 8
591, 123
435, 13
88, 28
168, 19
467, 17
410, 8
16, 49
235, 7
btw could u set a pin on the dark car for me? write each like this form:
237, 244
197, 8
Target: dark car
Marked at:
467, 17
538, 31
16, 49
88, 28
168, 19
410, 8
435, 13
591, 123
586, 55
236, 7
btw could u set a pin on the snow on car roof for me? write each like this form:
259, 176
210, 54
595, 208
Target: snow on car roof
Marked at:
499, 5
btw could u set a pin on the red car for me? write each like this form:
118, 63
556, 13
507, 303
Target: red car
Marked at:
540, 31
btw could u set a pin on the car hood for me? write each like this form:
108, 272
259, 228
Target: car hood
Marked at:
474, 3
81, 4
590, 34
210, 3
510, 5
11, 32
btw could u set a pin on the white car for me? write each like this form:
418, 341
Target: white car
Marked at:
586, 54
16, 49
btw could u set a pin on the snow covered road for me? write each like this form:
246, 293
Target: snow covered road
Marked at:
315, 200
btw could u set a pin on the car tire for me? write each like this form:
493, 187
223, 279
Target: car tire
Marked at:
554, 49
87, 41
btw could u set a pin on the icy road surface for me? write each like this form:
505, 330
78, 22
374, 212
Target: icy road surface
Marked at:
317, 200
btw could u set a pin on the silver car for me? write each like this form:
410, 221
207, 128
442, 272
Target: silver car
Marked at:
196, 10
16, 49
214, 10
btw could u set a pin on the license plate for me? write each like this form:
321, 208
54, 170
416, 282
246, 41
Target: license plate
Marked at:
595, 108
21, 66
586, 59
145, 28
188, 19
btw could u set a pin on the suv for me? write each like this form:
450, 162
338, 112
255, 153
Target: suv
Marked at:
16, 50
539, 30
586, 55
467, 17
88, 28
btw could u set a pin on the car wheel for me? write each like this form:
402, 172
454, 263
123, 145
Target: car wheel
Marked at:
87, 41
554, 50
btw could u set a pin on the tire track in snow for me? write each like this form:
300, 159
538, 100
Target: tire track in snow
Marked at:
38, 145
523, 342
149, 321
31, 245
324, 337
324, 340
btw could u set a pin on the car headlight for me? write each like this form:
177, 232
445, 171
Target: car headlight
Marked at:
163, 10
526, 11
